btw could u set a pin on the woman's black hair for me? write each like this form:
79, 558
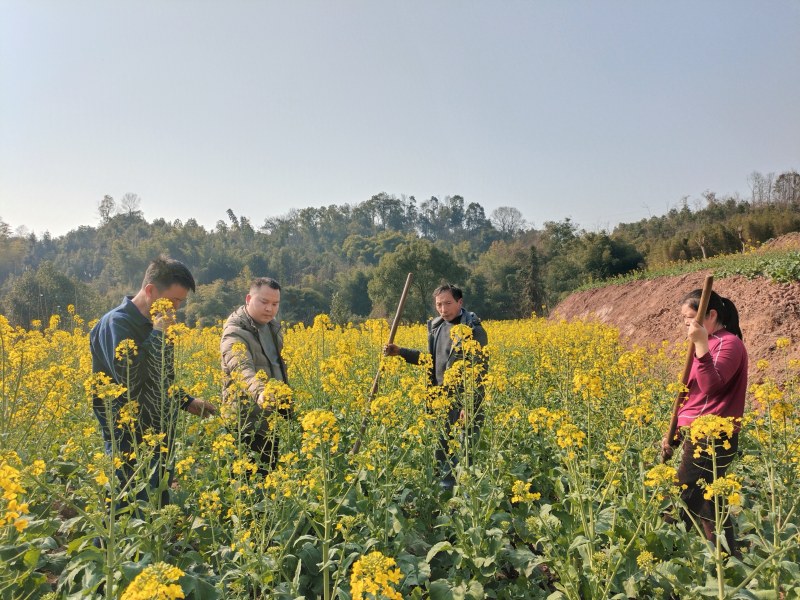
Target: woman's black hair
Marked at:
727, 315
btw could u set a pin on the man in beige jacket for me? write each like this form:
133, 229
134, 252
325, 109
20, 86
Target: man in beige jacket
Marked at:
251, 345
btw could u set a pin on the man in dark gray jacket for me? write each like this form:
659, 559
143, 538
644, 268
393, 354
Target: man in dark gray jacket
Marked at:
251, 345
449, 301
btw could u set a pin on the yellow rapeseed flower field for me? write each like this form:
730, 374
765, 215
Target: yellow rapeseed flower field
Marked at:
560, 496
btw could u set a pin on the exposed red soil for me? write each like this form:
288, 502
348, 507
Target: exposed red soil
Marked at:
790, 241
648, 312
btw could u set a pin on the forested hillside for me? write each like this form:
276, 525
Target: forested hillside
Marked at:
351, 260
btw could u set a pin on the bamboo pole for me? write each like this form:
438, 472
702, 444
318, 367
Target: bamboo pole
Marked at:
374, 389
687, 367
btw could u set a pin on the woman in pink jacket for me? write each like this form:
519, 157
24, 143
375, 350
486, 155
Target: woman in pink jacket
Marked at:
717, 385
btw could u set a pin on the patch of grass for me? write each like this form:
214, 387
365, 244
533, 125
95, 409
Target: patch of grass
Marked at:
778, 266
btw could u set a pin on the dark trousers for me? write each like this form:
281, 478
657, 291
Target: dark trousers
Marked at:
254, 428
127, 442
690, 470
445, 460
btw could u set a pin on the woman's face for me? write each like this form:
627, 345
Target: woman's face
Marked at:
689, 314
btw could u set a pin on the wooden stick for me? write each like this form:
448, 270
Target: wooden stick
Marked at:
687, 367
374, 389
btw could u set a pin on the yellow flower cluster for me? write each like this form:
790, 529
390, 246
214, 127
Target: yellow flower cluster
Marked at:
319, 429
346, 524
639, 410
766, 393
280, 482
162, 309
276, 395
155, 440
209, 504
613, 452
794, 454
438, 400
243, 466
100, 385
184, 465
12, 489
128, 414
661, 476
177, 332
98, 468
42, 377
727, 486
460, 333
646, 561
569, 435
472, 348
37, 467
223, 445
374, 574
706, 429
156, 582
543, 418
125, 351
589, 386
521, 492
243, 541
387, 410
464, 342
322, 322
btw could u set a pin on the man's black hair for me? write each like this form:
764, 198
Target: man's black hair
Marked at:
449, 287
164, 272
260, 282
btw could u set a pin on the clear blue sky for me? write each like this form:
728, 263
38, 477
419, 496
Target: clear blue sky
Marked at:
598, 111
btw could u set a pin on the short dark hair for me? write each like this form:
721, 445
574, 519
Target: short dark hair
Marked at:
164, 272
260, 282
449, 287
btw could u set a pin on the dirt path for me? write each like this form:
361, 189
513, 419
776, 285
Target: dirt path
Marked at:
647, 312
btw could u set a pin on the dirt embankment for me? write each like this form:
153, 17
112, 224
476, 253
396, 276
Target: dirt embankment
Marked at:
648, 312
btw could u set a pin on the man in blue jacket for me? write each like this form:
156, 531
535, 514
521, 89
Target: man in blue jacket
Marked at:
147, 372
449, 302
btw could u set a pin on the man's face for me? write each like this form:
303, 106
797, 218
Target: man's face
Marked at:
262, 304
175, 293
447, 306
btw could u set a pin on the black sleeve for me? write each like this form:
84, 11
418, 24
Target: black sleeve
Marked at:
409, 355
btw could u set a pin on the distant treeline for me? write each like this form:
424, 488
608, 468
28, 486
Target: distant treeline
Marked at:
351, 261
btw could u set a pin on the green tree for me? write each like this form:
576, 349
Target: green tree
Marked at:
430, 267
12, 251
105, 208
213, 302
350, 300
368, 250
301, 304
601, 256
535, 295
501, 269
43, 292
